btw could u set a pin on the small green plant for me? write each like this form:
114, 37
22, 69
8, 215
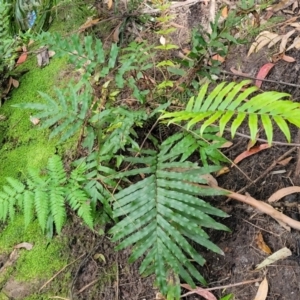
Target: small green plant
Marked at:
46, 193
162, 212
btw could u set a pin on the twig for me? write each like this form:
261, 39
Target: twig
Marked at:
223, 287
233, 285
265, 141
117, 275
297, 169
264, 80
261, 228
45, 284
271, 167
265, 208
87, 286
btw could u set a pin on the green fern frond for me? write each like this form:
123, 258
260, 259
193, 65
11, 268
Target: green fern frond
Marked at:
77, 197
119, 133
68, 111
9, 197
227, 103
163, 212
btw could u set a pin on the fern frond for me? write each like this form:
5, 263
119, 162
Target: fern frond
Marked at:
9, 197
120, 131
226, 103
163, 212
68, 111
77, 197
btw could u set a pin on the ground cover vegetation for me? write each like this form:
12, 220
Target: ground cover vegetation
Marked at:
136, 139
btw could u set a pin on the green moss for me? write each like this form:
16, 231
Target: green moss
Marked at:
45, 258
23, 143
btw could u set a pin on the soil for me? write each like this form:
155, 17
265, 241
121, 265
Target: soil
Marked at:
102, 273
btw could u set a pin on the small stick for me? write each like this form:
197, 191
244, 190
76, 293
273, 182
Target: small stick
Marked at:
45, 284
87, 286
261, 228
297, 169
265, 141
223, 287
272, 166
233, 285
264, 80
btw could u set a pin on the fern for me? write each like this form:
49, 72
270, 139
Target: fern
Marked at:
226, 103
68, 111
6, 40
162, 213
46, 194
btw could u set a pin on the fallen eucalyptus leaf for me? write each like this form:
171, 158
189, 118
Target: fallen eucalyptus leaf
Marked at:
280, 254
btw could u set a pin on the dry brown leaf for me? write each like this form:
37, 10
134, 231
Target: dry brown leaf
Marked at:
275, 41
15, 83
284, 162
34, 121
51, 53
226, 145
261, 244
295, 24
22, 58
284, 40
211, 181
295, 5
109, 4
224, 12
89, 23
283, 192
263, 39
251, 143
262, 73
288, 58
223, 171
280, 254
262, 292
117, 33
162, 40
236, 72
250, 152
199, 291
296, 44
218, 58
25, 245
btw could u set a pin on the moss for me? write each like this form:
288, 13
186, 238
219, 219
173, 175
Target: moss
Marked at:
45, 258
24, 144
